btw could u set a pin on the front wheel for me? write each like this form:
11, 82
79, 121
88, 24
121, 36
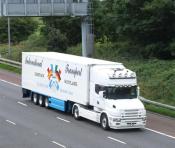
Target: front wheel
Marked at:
76, 113
104, 122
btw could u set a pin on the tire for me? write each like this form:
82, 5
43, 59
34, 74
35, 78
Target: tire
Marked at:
104, 122
46, 102
31, 97
35, 99
41, 101
76, 113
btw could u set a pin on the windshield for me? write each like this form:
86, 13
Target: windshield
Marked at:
121, 92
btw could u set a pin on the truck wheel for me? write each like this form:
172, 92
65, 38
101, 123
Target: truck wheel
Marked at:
41, 101
104, 122
46, 102
31, 97
35, 98
76, 113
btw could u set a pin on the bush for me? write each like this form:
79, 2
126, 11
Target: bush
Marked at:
21, 28
56, 41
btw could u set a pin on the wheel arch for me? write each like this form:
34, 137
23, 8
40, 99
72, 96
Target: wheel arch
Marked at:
104, 113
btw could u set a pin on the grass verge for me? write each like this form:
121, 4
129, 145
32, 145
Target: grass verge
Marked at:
160, 110
10, 68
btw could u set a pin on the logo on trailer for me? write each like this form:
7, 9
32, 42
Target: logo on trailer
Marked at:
54, 76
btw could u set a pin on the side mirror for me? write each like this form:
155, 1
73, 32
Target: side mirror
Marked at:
102, 94
138, 91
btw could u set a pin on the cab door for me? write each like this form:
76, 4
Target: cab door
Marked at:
95, 99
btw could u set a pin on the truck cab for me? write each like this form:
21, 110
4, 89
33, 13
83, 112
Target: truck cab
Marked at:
115, 94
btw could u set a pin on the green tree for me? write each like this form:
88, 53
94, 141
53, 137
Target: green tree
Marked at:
21, 28
149, 24
69, 26
56, 41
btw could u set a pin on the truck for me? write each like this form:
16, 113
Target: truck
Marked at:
101, 91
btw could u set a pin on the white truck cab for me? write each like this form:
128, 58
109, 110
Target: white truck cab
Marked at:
114, 92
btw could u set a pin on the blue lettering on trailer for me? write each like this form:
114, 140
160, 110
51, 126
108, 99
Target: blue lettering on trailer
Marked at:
57, 104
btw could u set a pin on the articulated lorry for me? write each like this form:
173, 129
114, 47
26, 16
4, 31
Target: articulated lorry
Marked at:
101, 91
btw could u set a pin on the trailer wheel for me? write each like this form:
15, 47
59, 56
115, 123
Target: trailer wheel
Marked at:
41, 101
46, 102
35, 98
31, 97
76, 113
104, 122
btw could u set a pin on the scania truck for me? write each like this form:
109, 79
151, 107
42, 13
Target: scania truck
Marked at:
101, 91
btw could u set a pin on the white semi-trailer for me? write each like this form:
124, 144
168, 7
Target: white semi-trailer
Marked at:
102, 91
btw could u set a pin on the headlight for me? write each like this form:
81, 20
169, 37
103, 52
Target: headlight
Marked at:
115, 113
142, 112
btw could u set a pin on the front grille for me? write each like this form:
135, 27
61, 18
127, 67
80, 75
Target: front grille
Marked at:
133, 113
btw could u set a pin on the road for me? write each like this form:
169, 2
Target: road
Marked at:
25, 125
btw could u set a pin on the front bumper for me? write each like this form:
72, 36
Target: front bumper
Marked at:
127, 123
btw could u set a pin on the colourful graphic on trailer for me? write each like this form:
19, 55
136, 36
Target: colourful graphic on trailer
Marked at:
54, 76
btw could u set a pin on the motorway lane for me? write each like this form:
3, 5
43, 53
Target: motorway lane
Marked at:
45, 122
17, 136
161, 123
34, 120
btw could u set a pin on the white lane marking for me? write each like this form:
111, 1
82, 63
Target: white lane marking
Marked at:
23, 104
58, 144
10, 83
116, 140
11, 122
63, 120
160, 133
